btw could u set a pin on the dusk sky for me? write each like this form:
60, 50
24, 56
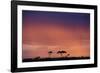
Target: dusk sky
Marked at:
45, 31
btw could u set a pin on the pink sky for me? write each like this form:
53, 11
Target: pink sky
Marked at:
38, 40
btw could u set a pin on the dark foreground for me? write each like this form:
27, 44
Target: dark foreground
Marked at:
53, 59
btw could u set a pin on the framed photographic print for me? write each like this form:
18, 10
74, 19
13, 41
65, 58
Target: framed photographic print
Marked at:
51, 36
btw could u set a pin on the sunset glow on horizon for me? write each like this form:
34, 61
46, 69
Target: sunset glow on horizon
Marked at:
45, 31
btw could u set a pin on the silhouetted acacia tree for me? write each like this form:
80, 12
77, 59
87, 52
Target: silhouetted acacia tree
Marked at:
50, 52
61, 52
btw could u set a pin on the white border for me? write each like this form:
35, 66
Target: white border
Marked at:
53, 63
